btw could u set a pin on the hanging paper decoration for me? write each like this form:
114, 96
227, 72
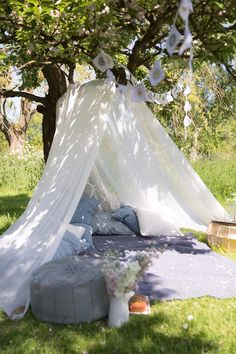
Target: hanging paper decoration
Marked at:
187, 43
138, 93
172, 40
187, 106
187, 121
103, 62
187, 90
185, 8
156, 75
169, 97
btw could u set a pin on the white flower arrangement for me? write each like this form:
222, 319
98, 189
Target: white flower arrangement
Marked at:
121, 276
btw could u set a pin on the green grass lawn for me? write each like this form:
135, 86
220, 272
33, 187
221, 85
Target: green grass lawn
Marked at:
12, 205
166, 330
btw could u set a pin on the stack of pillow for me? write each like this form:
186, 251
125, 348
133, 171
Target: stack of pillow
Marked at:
122, 221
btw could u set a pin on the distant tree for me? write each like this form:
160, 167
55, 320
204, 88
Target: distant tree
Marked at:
52, 36
14, 131
213, 100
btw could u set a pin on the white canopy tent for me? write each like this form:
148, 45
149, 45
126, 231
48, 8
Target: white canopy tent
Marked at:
119, 149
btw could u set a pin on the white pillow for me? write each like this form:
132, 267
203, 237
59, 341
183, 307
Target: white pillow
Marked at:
154, 223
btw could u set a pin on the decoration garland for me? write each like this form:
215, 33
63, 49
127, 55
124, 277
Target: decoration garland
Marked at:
105, 63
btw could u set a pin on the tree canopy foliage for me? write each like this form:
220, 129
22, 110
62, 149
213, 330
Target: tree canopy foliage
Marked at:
50, 36
37, 32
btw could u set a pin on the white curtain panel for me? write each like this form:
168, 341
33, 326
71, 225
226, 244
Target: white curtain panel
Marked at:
146, 170
119, 149
34, 238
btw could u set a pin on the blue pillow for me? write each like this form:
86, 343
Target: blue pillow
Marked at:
127, 215
85, 211
87, 235
105, 224
72, 245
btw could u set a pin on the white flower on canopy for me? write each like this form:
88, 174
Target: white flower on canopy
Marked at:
187, 121
187, 43
138, 93
185, 8
156, 75
172, 40
103, 62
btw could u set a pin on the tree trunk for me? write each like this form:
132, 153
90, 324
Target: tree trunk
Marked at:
57, 87
15, 133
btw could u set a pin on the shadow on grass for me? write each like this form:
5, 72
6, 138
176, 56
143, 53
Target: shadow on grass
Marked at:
142, 334
11, 207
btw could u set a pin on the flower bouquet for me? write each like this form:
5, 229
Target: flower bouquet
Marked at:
121, 278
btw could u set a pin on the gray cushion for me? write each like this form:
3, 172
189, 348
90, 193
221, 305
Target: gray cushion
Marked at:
69, 290
127, 215
105, 224
72, 245
85, 211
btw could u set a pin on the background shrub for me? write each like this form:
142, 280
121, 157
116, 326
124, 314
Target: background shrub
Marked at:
20, 174
219, 174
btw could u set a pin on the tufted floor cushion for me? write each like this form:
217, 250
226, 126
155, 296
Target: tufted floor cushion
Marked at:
69, 290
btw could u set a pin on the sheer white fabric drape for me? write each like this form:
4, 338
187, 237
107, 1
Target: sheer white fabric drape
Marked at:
34, 238
145, 168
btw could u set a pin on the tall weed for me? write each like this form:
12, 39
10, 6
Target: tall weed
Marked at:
20, 174
219, 174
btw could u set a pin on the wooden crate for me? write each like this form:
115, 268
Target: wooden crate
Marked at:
223, 234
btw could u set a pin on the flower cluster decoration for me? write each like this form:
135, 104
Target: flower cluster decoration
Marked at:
122, 275
105, 63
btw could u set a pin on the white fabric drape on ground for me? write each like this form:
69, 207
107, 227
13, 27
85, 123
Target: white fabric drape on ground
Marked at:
34, 238
129, 158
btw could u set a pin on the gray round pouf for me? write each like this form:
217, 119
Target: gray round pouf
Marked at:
69, 290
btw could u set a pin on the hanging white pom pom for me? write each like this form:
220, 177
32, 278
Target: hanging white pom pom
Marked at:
187, 43
187, 106
103, 62
172, 40
185, 8
138, 93
156, 75
187, 121
187, 90
110, 75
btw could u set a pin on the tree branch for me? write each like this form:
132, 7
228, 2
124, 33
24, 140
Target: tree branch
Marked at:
29, 96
